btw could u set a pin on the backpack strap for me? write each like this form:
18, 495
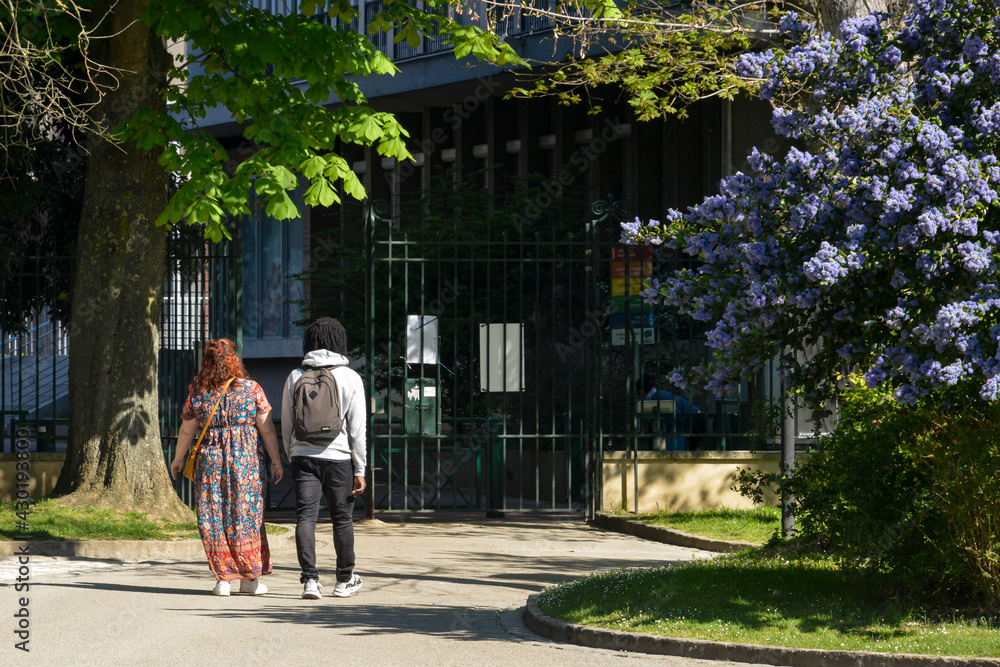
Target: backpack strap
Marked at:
309, 368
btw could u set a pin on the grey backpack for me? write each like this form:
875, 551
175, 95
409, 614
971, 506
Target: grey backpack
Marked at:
316, 415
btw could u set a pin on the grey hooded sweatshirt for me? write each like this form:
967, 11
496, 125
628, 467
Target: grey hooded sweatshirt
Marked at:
351, 442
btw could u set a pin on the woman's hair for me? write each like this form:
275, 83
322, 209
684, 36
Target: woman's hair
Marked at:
219, 363
325, 333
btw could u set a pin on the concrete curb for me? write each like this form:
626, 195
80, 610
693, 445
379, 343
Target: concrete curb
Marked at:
666, 535
636, 642
124, 550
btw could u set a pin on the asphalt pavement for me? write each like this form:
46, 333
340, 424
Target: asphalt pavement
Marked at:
435, 593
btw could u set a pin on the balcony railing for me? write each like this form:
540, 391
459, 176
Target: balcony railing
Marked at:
504, 22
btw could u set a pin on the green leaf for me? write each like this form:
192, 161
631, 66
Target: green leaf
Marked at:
216, 231
321, 193
394, 148
379, 23
281, 207
203, 211
342, 9
283, 175
172, 213
382, 65
606, 9
313, 167
371, 130
353, 186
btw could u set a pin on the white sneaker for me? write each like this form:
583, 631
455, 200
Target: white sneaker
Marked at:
345, 589
313, 590
252, 587
221, 588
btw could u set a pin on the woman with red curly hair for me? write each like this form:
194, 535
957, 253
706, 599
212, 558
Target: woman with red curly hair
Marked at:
229, 467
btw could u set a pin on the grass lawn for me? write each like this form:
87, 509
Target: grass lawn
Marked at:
757, 598
754, 525
47, 520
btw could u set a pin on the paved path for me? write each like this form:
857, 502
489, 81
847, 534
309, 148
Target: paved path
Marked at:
434, 594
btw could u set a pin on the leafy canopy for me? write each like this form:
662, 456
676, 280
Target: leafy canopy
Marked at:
663, 55
873, 242
273, 74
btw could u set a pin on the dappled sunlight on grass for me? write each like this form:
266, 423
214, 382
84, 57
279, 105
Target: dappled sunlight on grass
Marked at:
762, 599
753, 525
48, 520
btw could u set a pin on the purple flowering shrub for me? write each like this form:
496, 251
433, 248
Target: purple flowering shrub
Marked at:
875, 241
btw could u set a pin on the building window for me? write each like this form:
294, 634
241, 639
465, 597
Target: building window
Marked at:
272, 256
281, 7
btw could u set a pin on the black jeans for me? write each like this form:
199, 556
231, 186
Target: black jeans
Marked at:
335, 480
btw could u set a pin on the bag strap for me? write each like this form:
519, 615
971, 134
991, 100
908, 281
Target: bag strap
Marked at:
214, 408
304, 368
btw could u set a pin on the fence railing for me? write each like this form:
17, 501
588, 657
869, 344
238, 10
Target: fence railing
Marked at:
503, 22
34, 380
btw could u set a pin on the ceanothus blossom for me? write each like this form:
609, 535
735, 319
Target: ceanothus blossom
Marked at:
875, 240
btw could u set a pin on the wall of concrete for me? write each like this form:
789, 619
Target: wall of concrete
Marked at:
43, 472
680, 481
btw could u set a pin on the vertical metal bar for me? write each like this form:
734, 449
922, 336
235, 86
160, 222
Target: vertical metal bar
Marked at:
4, 388
569, 253
390, 360
439, 481
369, 232
630, 348
495, 463
406, 366
558, 423
421, 412
474, 352
456, 369
235, 259
590, 418
496, 477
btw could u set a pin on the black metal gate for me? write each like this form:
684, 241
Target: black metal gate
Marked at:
505, 358
478, 382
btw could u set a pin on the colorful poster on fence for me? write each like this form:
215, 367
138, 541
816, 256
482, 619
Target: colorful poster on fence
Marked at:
630, 266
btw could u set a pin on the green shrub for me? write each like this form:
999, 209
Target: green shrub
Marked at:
959, 461
912, 492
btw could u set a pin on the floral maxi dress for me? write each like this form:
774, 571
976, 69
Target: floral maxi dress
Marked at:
229, 481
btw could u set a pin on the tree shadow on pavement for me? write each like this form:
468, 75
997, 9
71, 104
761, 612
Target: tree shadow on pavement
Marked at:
454, 622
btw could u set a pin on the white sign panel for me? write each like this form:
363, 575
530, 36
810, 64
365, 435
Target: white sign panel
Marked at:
501, 358
421, 339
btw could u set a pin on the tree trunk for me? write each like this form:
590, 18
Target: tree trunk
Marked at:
834, 12
114, 456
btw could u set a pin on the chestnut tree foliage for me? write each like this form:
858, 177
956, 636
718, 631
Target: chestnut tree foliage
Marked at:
249, 62
290, 82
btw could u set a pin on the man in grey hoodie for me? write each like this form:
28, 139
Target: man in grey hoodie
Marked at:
335, 469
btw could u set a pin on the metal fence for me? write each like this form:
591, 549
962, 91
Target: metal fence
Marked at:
473, 409
201, 298
505, 360
201, 301
34, 346
503, 357
34, 381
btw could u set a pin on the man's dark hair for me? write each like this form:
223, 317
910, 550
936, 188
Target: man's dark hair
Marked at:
325, 333
645, 384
